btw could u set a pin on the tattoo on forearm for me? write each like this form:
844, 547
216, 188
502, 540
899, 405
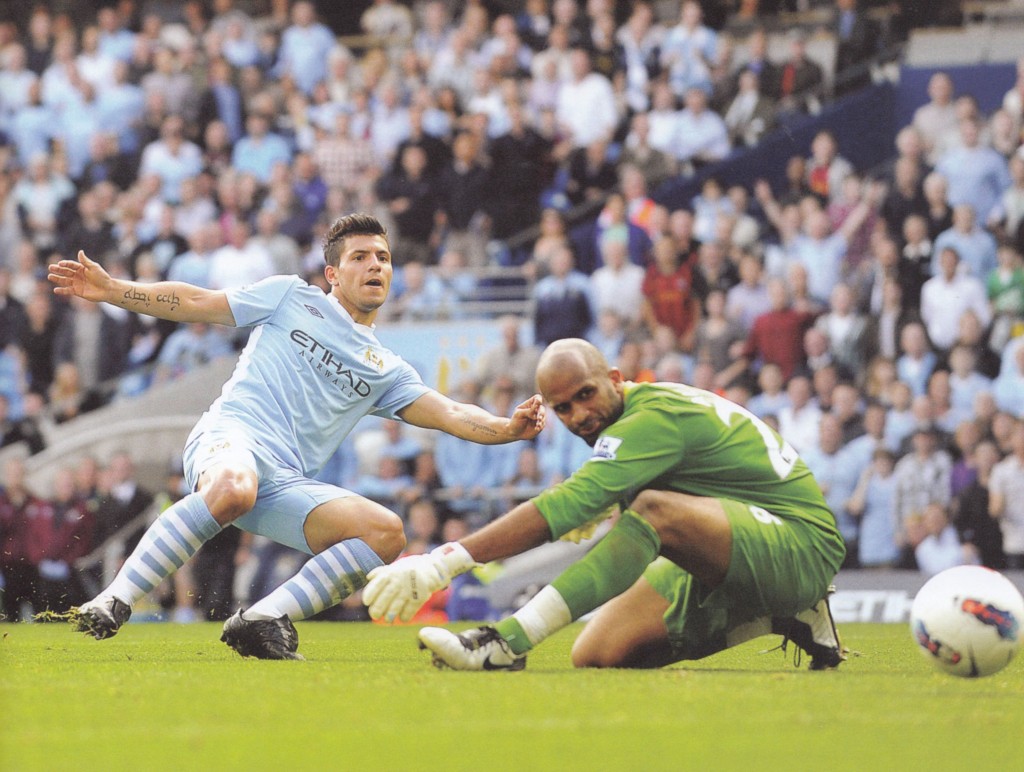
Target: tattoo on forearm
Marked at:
479, 427
171, 299
134, 298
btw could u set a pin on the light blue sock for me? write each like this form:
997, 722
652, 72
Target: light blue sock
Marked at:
175, 537
326, 580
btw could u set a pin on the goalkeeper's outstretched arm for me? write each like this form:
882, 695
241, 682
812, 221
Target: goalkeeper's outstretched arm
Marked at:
397, 591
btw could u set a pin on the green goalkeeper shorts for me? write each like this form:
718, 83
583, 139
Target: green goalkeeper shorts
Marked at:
779, 566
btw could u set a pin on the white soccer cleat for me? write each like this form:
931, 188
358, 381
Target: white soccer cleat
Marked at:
814, 632
101, 617
482, 648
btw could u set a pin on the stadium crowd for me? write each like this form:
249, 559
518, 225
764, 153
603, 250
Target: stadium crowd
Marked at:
877, 322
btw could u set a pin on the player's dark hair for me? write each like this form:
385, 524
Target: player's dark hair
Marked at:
357, 224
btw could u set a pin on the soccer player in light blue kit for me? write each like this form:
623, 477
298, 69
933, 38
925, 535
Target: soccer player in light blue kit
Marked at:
311, 369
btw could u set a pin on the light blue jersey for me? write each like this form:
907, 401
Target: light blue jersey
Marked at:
307, 374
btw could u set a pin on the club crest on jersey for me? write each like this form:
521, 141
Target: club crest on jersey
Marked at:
606, 447
371, 357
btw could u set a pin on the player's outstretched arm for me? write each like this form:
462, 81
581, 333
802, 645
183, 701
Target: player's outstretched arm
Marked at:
397, 591
172, 300
469, 422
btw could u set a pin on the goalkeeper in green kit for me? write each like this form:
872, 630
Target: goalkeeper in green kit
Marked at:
723, 534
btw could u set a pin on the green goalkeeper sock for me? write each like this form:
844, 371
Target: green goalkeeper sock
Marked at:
609, 569
612, 567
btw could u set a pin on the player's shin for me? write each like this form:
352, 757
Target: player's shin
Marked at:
323, 582
608, 570
171, 540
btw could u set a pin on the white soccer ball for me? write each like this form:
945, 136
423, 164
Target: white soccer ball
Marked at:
967, 621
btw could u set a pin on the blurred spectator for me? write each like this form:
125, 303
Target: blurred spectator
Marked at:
652, 162
24, 429
947, 296
748, 299
586, 108
240, 261
826, 168
172, 158
977, 174
18, 507
975, 247
590, 173
617, 285
1005, 289
44, 340
857, 39
520, 158
965, 382
771, 396
800, 419
750, 115
616, 222
836, 477
59, 532
510, 360
973, 522
776, 335
562, 302
188, 348
800, 77
922, 478
872, 505
937, 117
412, 200
688, 50
305, 48
283, 250
40, 196
1008, 387
703, 136
464, 188
668, 290
941, 548
916, 361
259, 151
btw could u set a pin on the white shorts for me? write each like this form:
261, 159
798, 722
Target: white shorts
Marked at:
284, 497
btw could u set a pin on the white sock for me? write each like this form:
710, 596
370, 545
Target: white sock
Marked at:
324, 581
544, 614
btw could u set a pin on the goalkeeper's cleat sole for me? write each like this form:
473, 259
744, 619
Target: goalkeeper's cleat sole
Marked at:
482, 648
262, 638
101, 617
814, 632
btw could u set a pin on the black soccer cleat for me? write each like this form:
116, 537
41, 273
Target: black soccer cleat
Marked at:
101, 617
814, 632
262, 638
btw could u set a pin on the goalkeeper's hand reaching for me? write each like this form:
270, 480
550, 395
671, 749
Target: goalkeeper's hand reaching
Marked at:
399, 590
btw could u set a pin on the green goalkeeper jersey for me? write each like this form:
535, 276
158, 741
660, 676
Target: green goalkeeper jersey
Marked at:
680, 438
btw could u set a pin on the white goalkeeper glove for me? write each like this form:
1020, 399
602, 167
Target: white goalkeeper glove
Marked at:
399, 590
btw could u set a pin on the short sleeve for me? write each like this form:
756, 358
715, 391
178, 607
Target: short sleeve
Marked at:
407, 387
255, 303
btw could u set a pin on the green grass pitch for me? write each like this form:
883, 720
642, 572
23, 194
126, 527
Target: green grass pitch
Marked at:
172, 697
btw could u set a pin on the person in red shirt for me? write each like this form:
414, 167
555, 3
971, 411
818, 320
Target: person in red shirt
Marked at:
668, 294
18, 507
777, 335
59, 532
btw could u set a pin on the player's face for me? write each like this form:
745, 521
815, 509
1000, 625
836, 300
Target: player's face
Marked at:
587, 403
363, 277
